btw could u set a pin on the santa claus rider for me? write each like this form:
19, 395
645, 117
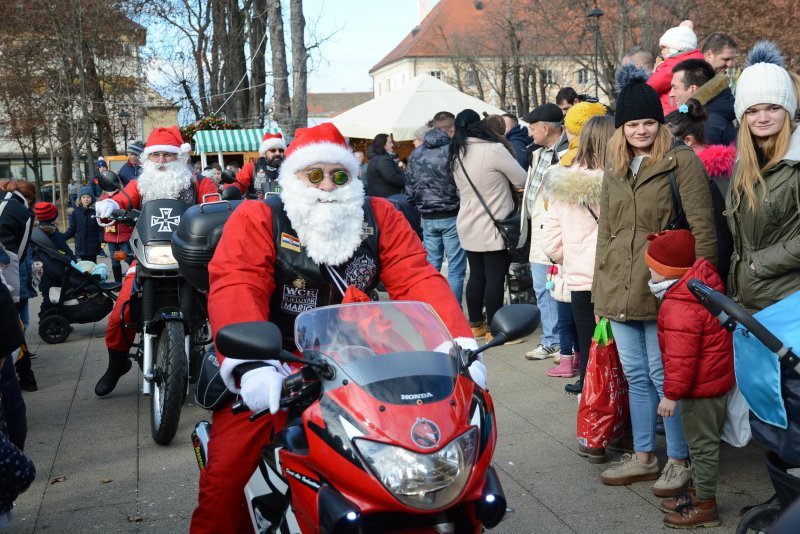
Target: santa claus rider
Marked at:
165, 174
313, 236
257, 179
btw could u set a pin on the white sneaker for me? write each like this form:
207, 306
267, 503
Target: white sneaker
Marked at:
542, 352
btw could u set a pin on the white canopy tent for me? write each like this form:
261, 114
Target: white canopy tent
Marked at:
404, 110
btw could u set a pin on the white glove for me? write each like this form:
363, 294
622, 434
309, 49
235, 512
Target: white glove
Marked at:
261, 389
104, 208
478, 373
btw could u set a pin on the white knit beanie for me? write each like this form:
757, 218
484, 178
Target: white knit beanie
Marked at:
681, 38
764, 81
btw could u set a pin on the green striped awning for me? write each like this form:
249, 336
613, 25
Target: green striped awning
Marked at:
213, 141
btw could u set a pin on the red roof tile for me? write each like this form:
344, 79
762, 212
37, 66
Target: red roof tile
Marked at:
471, 27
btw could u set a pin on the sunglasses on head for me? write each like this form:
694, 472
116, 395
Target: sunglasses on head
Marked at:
340, 177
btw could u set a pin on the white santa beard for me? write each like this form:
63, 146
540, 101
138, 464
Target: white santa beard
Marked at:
330, 230
155, 183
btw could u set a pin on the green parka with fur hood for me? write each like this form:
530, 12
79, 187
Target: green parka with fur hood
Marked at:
630, 209
768, 238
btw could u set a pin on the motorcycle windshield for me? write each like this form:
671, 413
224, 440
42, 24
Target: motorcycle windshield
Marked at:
399, 352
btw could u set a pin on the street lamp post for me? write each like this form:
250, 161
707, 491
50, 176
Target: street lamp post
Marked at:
123, 119
594, 21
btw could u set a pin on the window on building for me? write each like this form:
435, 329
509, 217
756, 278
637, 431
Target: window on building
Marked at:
388, 86
436, 74
549, 77
471, 78
583, 76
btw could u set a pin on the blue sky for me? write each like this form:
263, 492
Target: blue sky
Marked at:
368, 30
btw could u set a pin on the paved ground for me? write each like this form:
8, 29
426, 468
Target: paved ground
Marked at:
99, 470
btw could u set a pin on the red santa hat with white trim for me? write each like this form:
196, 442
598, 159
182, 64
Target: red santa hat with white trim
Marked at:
271, 140
319, 144
166, 140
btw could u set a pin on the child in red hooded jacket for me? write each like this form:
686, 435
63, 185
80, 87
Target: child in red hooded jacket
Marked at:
698, 369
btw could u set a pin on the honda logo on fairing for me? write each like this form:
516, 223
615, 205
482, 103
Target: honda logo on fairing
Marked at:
417, 396
166, 220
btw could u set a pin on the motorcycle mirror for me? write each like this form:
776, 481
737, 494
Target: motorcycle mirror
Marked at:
510, 322
231, 193
255, 340
515, 321
109, 181
228, 176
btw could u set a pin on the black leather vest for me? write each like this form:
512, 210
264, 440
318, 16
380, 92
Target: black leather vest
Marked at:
301, 284
267, 182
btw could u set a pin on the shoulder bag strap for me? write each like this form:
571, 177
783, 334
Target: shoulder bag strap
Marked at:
483, 203
594, 216
676, 197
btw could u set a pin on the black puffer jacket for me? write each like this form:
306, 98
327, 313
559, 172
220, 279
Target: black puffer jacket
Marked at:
16, 221
88, 234
384, 177
429, 182
519, 139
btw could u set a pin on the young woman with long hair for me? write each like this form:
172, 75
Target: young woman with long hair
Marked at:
764, 197
477, 155
569, 231
636, 201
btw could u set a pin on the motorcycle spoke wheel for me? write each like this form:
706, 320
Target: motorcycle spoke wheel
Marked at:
169, 388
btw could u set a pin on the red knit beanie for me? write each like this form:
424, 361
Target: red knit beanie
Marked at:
670, 253
45, 212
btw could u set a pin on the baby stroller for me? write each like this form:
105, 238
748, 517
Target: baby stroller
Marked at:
519, 284
771, 387
72, 296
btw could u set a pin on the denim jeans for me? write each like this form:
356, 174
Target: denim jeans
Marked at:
567, 335
441, 240
126, 247
637, 342
548, 306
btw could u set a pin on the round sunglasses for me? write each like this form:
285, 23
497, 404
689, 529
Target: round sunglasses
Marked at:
340, 177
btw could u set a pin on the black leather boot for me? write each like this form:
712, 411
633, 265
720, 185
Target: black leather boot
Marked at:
117, 270
119, 363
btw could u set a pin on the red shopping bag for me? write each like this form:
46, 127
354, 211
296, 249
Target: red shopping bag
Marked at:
604, 401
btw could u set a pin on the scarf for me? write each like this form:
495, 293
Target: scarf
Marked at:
659, 288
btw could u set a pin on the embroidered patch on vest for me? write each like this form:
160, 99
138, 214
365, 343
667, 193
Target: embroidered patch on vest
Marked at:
290, 242
298, 300
360, 271
366, 230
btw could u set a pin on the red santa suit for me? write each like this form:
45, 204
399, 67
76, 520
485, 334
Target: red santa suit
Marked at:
249, 179
242, 282
115, 338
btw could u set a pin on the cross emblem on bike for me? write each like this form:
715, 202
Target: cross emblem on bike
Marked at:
166, 220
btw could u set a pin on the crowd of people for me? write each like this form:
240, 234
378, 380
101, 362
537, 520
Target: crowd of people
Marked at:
614, 210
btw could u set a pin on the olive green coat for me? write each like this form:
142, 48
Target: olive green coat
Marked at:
769, 237
629, 211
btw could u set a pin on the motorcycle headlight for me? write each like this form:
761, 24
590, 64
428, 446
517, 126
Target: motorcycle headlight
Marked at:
159, 255
422, 481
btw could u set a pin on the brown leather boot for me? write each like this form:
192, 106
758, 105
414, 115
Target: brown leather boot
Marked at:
671, 503
700, 513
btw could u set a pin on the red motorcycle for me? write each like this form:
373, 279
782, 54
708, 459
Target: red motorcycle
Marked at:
387, 432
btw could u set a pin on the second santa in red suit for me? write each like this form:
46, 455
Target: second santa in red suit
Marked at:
322, 235
165, 174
